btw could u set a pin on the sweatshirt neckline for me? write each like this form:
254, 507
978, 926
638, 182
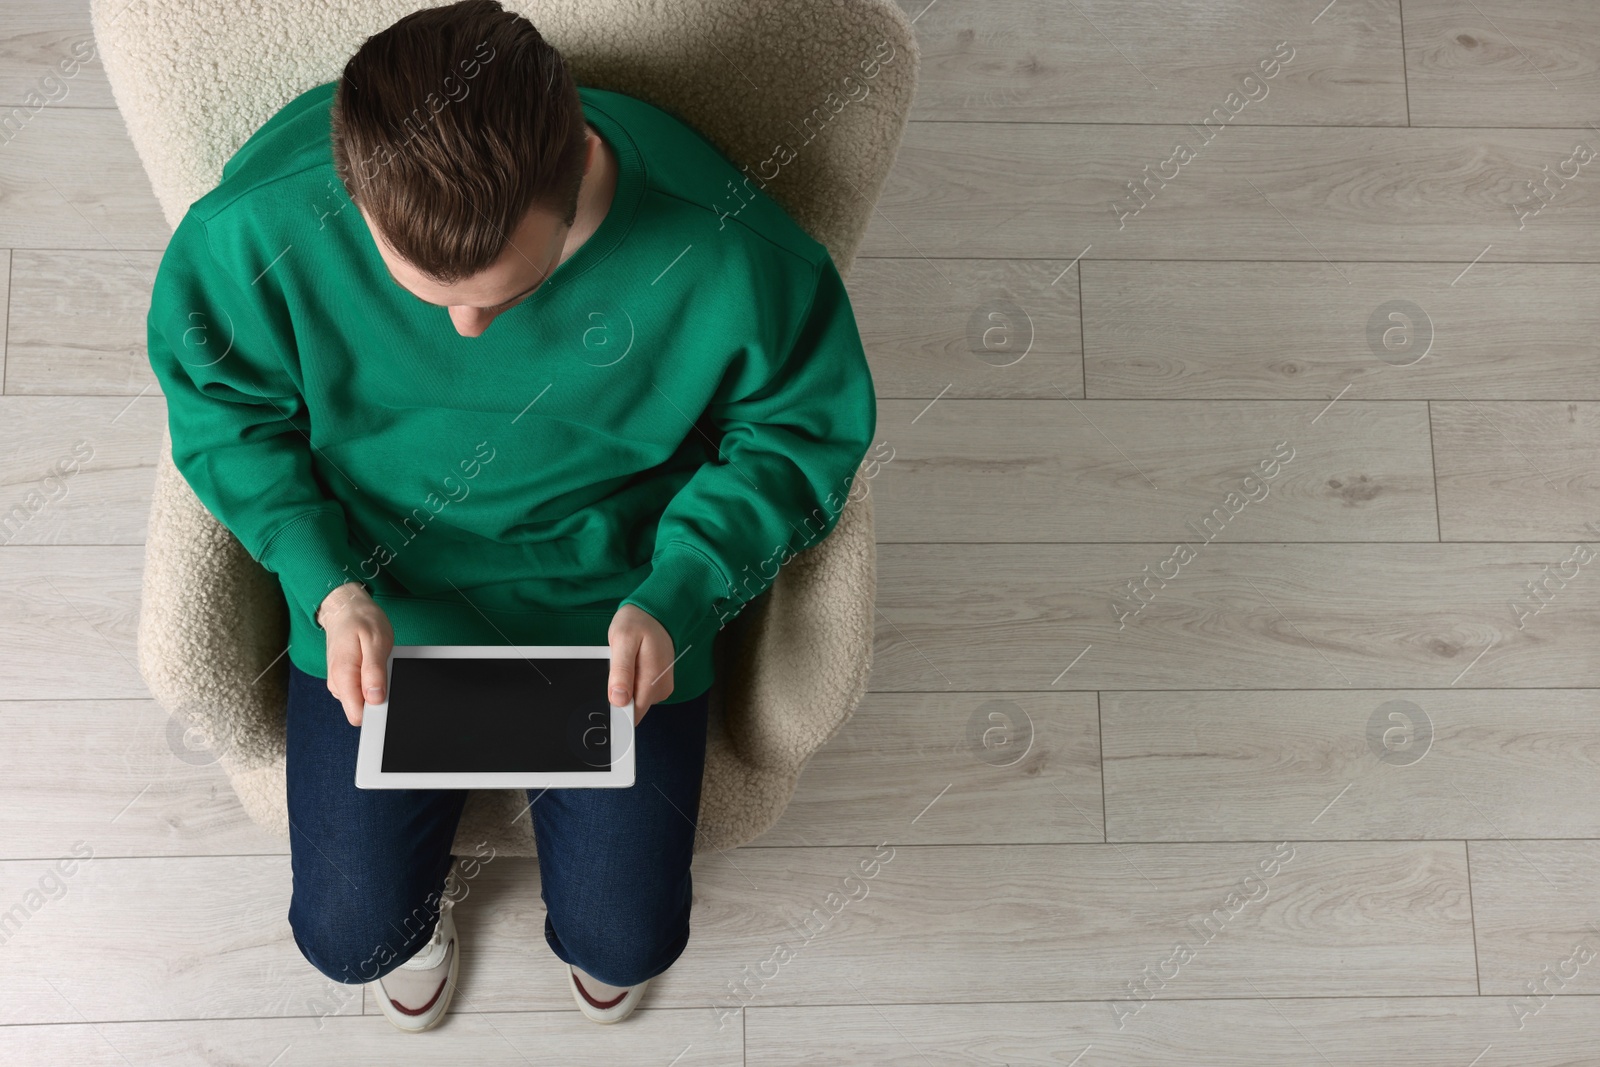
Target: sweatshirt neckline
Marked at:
619, 216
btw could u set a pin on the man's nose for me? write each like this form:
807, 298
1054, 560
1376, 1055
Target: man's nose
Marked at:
469, 321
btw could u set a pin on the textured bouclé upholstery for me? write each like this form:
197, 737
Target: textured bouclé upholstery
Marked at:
194, 78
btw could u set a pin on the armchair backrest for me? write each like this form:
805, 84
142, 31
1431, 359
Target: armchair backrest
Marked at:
810, 95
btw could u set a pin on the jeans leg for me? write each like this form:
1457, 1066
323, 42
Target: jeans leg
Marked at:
369, 864
614, 863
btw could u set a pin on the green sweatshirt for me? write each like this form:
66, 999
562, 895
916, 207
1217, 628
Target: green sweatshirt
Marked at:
675, 412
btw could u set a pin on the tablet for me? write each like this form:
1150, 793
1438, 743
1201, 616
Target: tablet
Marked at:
496, 716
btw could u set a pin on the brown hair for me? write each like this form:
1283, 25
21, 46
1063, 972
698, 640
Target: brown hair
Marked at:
449, 126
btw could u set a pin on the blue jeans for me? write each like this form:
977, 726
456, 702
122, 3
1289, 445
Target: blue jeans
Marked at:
370, 864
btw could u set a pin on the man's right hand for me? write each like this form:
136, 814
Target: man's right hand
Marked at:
359, 641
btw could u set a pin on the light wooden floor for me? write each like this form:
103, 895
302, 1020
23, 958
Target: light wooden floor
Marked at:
1345, 756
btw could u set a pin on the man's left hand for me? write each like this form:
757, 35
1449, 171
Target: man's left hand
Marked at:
641, 660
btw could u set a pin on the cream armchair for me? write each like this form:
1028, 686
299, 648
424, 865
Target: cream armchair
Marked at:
816, 90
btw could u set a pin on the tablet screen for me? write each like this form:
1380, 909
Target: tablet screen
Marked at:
470, 715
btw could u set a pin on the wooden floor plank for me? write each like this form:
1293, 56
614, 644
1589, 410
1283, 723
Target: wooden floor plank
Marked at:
207, 937
1397, 331
1319, 195
1061, 470
152, 938
1435, 763
504, 1039
119, 773
968, 327
1512, 470
1147, 61
73, 180
990, 767
68, 621
78, 322
1261, 616
1281, 1032
1502, 63
48, 57
78, 469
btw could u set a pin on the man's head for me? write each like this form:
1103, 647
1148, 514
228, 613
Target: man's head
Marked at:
459, 135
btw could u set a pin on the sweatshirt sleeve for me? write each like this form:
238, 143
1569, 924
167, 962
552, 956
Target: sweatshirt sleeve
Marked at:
226, 362
795, 425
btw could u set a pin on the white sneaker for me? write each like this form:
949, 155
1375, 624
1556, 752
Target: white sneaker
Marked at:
415, 995
612, 1008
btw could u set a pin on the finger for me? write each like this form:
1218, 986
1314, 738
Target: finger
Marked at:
654, 672
624, 653
344, 676
374, 667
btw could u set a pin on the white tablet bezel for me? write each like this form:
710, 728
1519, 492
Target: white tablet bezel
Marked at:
374, 723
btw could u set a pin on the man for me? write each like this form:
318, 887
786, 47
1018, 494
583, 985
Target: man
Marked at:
466, 354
